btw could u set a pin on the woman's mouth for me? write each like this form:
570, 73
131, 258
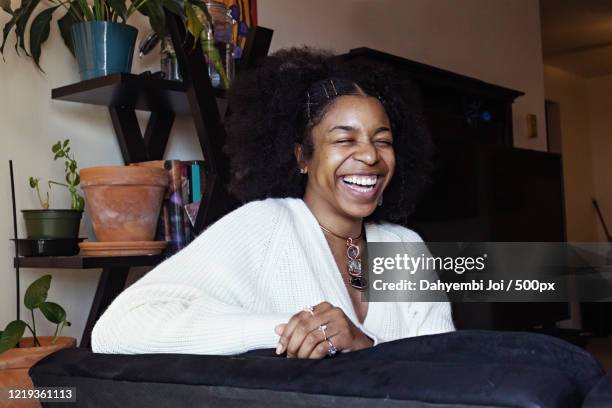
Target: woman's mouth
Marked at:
361, 183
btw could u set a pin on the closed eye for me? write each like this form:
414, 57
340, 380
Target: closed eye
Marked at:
384, 142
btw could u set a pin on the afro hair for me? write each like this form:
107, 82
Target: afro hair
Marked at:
268, 115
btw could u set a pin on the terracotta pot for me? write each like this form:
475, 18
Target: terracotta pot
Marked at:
15, 363
124, 201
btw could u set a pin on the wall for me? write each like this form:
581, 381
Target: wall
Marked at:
570, 91
496, 41
31, 123
599, 90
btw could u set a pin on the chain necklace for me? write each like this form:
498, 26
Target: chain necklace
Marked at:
357, 280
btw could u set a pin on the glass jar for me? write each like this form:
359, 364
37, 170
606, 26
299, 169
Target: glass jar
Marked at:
216, 42
169, 64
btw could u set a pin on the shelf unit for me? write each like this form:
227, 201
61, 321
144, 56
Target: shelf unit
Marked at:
123, 94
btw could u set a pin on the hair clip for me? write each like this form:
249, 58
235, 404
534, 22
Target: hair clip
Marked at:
331, 81
308, 103
325, 90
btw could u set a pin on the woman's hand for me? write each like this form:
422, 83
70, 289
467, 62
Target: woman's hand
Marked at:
302, 337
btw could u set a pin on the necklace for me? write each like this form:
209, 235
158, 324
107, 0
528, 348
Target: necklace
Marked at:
357, 280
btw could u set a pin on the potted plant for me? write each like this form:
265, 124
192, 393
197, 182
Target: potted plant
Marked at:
123, 202
18, 354
57, 223
99, 36
96, 32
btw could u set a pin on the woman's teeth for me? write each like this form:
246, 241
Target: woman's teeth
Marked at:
362, 184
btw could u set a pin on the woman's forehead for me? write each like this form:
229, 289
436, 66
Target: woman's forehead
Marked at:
360, 108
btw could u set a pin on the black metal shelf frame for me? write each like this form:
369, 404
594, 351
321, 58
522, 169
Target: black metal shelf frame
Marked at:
123, 94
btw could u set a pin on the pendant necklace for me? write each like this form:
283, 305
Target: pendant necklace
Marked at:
357, 280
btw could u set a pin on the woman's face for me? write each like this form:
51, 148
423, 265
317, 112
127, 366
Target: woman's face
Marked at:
353, 158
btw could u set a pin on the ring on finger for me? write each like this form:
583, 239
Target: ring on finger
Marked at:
332, 350
323, 327
309, 309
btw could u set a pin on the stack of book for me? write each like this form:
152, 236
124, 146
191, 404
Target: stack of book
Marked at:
181, 202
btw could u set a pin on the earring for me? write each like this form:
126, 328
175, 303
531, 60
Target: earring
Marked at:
380, 200
303, 171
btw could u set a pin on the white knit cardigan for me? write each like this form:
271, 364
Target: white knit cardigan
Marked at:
247, 273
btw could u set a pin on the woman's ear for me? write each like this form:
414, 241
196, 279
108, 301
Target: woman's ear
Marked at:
298, 151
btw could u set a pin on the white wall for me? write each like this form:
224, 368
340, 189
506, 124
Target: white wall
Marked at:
497, 41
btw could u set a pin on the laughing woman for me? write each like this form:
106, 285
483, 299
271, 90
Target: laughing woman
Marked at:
315, 146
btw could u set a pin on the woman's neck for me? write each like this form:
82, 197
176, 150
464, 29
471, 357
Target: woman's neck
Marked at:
329, 217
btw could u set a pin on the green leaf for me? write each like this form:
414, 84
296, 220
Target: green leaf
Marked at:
119, 7
65, 144
53, 312
194, 25
85, 10
157, 18
6, 6
11, 335
56, 147
7, 29
175, 7
27, 8
72, 16
37, 292
39, 33
58, 155
80, 204
72, 166
33, 182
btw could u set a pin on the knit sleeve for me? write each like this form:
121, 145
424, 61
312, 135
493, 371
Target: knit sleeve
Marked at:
423, 318
181, 319
203, 300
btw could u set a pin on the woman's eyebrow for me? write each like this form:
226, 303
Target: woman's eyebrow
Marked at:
342, 127
382, 129
349, 128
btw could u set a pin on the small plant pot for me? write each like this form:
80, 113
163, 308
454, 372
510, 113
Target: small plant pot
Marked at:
124, 201
103, 47
52, 223
16, 362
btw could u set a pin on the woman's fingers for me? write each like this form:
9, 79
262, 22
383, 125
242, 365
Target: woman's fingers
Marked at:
321, 350
308, 333
306, 322
289, 329
313, 339
304, 328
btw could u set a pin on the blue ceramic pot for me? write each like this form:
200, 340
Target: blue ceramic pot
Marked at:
103, 47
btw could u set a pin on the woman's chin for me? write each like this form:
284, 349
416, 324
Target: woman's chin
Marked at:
358, 202
358, 210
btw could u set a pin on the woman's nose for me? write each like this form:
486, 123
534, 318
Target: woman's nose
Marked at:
366, 152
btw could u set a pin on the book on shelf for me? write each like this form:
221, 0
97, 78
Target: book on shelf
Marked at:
175, 224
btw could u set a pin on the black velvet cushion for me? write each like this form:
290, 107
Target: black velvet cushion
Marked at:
472, 368
601, 395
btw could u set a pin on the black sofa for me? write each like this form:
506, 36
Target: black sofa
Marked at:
461, 369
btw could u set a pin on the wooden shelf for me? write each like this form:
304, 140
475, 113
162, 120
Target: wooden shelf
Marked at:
86, 262
130, 91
